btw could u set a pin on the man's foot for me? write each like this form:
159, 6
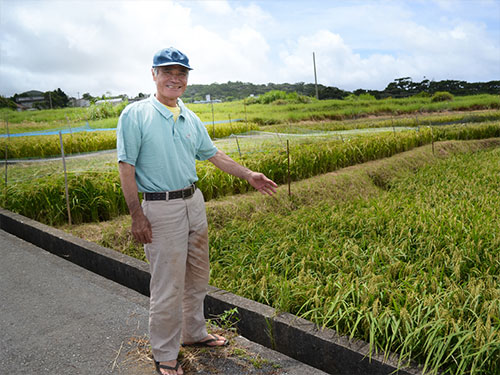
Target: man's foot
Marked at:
169, 368
211, 341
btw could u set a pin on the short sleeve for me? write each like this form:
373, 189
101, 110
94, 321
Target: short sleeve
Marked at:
206, 148
128, 138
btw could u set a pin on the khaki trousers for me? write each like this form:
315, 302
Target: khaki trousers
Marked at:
179, 266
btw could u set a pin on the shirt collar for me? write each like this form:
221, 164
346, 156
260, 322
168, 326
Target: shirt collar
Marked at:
163, 110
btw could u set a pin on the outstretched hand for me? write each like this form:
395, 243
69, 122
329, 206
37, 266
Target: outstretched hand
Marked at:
256, 179
262, 183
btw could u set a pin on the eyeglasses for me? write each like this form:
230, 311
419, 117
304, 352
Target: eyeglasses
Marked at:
170, 73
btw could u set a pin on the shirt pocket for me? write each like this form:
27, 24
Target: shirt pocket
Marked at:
186, 135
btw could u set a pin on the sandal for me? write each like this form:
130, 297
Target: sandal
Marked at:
165, 367
206, 343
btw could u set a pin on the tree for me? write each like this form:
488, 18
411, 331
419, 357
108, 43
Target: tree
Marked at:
7, 103
54, 99
87, 96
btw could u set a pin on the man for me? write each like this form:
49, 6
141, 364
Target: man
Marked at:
158, 141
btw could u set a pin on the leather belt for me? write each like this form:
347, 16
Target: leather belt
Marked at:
174, 194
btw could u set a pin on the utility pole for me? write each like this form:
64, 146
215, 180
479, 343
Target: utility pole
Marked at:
315, 77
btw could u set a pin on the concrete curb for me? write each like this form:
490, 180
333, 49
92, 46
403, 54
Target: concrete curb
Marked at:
283, 332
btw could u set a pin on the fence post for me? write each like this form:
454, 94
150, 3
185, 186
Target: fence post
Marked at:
6, 153
74, 146
432, 138
246, 120
238, 144
69, 125
230, 123
65, 178
213, 119
232, 133
288, 156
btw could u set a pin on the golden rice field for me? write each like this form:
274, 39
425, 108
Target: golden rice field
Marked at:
391, 235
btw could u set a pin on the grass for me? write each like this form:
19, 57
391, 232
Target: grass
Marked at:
261, 114
96, 195
401, 252
269, 114
414, 120
236, 358
43, 116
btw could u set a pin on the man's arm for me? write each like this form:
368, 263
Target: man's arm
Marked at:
257, 180
141, 228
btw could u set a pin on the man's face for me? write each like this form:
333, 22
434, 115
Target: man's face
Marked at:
171, 82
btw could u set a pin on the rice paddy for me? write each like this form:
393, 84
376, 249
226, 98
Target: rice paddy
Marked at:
412, 267
402, 252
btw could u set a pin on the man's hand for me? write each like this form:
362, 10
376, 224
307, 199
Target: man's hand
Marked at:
262, 183
141, 228
257, 180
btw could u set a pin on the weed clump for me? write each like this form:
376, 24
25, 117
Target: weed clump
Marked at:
442, 96
279, 97
105, 110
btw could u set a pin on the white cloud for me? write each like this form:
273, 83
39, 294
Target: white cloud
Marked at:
107, 49
252, 15
376, 43
83, 46
236, 56
217, 7
336, 63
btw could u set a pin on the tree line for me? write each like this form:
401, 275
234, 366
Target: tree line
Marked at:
405, 87
399, 88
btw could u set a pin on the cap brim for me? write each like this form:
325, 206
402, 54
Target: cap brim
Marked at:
173, 63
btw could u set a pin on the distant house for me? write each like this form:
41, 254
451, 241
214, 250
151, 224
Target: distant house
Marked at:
114, 101
28, 102
207, 101
79, 102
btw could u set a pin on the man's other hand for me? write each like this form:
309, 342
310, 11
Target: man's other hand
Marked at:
141, 229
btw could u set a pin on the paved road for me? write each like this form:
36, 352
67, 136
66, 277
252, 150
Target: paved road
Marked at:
58, 318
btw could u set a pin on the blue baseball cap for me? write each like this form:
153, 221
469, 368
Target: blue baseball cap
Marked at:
170, 56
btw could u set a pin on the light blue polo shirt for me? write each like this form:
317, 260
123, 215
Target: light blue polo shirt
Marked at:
163, 151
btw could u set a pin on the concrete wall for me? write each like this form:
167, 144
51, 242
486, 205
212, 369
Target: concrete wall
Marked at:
283, 332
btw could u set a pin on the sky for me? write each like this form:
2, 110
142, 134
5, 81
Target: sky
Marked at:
106, 46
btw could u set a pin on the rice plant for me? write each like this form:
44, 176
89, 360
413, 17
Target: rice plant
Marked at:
309, 158
412, 268
93, 197
49, 145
